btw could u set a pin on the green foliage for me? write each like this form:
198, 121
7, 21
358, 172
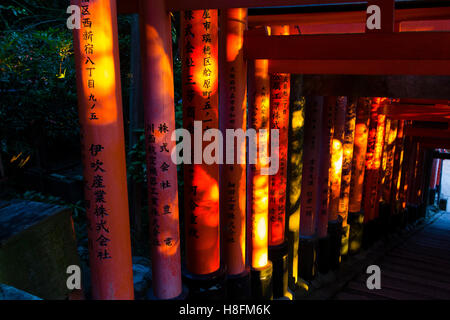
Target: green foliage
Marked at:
136, 166
38, 95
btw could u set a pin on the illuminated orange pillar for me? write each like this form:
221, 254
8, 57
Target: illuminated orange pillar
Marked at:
159, 113
279, 119
199, 39
389, 157
326, 138
373, 160
233, 115
337, 156
103, 150
349, 135
257, 183
397, 171
359, 154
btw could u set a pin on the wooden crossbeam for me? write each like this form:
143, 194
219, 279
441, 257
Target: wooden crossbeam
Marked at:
440, 113
441, 13
374, 46
429, 133
362, 67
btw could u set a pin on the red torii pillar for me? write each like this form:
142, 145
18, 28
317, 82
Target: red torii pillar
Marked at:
279, 119
258, 183
310, 187
103, 150
356, 214
233, 115
199, 40
159, 113
349, 135
397, 175
334, 220
323, 198
373, 167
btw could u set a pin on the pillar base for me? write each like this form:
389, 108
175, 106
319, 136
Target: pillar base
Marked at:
335, 234
279, 257
239, 286
355, 220
422, 211
323, 255
211, 286
261, 282
307, 248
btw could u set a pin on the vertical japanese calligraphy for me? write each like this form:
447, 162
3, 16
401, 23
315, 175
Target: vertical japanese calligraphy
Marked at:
233, 115
337, 156
200, 103
310, 175
159, 112
359, 154
323, 199
388, 158
258, 184
373, 159
103, 150
279, 119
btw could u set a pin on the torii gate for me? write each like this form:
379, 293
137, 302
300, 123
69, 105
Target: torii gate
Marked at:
99, 95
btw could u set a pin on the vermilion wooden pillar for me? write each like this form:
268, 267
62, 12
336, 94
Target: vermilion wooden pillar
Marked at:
356, 214
344, 198
297, 116
199, 40
233, 115
326, 138
103, 150
359, 154
279, 119
373, 160
397, 171
337, 157
373, 168
310, 186
388, 161
159, 113
325, 158
257, 183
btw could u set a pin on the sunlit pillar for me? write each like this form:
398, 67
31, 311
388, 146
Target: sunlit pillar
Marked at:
297, 116
356, 214
96, 51
257, 182
199, 40
233, 115
310, 186
349, 135
159, 120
